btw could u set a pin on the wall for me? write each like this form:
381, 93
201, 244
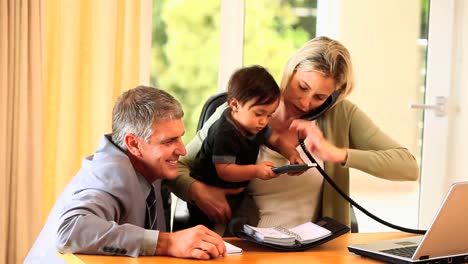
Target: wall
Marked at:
382, 37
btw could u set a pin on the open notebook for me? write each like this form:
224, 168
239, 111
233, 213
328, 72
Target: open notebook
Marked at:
446, 240
311, 234
301, 234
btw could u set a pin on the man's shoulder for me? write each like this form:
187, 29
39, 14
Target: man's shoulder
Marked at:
108, 156
109, 169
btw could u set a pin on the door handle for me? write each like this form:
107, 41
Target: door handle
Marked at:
439, 107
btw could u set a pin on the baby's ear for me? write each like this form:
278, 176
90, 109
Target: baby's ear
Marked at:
234, 104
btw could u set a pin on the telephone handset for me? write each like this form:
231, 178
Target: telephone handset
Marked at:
323, 108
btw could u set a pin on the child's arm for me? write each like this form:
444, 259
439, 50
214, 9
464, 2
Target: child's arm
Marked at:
286, 149
236, 173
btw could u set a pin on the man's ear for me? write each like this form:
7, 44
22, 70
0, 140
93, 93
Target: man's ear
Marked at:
132, 143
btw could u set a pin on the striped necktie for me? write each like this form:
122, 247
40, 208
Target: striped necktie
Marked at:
150, 219
155, 218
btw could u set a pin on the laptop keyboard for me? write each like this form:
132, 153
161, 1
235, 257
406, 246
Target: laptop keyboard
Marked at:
406, 252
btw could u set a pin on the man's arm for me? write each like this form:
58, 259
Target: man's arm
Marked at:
89, 224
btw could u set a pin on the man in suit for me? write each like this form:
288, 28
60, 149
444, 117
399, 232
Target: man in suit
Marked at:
115, 204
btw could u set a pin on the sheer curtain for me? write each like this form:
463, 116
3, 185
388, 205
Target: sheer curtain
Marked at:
21, 93
62, 65
94, 51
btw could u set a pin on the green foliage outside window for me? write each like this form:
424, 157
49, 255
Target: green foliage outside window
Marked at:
185, 50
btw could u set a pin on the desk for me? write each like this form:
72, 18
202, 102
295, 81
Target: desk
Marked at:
334, 251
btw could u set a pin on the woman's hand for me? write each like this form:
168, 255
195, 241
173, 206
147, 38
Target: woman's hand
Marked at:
212, 201
316, 143
296, 159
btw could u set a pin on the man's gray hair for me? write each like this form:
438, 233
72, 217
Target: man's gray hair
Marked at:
136, 111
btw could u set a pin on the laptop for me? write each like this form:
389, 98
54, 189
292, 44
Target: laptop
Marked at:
446, 240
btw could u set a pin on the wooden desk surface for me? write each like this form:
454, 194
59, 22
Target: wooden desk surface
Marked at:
334, 251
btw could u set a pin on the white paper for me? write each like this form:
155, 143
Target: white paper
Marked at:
310, 232
303, 234
231, 249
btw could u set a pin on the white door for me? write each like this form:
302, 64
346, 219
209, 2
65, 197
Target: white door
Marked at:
372, 29
387, 45
444, 144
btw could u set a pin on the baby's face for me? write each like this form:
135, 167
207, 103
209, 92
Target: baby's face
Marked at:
252, 119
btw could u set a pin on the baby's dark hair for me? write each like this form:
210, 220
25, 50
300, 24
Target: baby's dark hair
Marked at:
253, 82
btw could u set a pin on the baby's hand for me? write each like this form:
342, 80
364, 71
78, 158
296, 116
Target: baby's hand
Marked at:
264, 172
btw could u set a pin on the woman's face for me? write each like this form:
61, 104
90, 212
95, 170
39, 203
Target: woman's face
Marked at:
306, 91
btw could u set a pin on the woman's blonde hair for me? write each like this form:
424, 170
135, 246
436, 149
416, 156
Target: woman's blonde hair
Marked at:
324, 55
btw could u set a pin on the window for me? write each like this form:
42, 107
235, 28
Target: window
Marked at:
185, 53
186, 37
275, 29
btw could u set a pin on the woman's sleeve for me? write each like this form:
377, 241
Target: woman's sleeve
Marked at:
374, 152
180, 186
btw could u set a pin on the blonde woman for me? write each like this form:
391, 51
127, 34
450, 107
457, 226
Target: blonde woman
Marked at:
315, 83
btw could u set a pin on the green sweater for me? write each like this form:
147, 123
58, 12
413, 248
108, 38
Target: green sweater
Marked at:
346, 126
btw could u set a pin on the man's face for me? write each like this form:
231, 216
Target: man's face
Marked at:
160, 154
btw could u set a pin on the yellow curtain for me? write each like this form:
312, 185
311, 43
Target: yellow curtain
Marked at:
62, 65
94, 51
21, 87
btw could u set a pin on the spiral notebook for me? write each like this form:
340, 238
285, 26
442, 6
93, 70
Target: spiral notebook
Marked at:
290, 242
302, 234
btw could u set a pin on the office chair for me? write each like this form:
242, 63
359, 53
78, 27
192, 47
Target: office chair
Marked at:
210, 106
181, 214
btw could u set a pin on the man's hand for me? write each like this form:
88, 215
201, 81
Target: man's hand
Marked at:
197, 242
212, 201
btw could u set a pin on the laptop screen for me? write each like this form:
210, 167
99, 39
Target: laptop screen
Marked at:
446, 238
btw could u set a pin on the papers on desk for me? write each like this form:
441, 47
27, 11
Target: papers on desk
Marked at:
302, 234
231, 249
336, 228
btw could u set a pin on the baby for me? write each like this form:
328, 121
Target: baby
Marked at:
229, 152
